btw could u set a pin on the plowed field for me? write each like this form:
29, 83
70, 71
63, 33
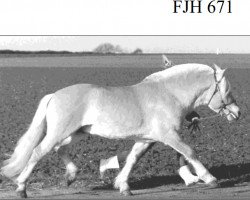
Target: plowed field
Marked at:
224, 148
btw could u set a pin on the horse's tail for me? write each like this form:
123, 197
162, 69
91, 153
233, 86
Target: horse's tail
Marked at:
23, 151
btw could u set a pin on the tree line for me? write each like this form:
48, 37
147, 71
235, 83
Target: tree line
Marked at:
105, 48
108, 48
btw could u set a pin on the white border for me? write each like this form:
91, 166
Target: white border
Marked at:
117, 17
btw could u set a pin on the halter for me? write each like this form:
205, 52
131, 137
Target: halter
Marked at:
217, 88
195, 122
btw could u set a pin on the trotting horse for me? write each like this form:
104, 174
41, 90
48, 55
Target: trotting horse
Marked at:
184, 171
150, 111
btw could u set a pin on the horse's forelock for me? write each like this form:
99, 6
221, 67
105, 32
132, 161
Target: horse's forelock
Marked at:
228, 87
226, 96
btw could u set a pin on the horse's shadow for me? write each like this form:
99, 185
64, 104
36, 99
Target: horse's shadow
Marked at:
228, 176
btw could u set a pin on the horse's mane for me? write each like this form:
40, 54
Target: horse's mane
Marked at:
177, 70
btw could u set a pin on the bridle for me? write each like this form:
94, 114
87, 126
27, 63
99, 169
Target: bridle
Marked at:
195, 122
225, 101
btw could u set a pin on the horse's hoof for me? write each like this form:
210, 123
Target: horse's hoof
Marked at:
191, 184
126, 193
22, 194
70, 181
213, 184
70, 178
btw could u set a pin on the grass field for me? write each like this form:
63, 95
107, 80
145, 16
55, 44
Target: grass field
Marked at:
223, 147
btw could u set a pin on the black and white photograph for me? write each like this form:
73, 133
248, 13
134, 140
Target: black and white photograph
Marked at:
114, 116
124, 99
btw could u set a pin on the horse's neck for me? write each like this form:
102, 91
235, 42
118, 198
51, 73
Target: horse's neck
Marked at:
191, 89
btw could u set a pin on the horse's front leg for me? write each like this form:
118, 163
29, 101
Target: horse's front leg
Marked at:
121, 181
173, 139
184, 171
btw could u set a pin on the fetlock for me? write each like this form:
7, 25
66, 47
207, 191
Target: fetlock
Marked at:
21, 190
187, 176
70, 176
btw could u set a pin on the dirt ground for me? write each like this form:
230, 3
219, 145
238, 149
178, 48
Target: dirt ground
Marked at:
173, 191
221, 146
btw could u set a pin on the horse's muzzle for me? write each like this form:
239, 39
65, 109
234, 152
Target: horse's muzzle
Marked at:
233, 114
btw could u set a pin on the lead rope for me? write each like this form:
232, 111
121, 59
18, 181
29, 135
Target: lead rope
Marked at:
194, 125
210, 117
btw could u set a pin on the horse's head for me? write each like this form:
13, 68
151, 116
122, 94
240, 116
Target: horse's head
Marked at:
222, 100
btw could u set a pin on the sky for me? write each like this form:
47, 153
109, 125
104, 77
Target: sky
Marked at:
121, 17
149, 44
55, 25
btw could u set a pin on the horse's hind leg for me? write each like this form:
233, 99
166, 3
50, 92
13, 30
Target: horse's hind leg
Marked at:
176, 142
121, 180
71, 169
41, 150
63, 152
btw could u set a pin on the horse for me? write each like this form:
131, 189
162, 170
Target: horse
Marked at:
150, 111
184, 171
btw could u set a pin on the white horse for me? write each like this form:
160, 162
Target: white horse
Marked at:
184, 171
150, 111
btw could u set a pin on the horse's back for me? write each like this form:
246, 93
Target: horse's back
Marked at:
106, 109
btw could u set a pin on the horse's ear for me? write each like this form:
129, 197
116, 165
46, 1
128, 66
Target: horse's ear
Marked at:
219, 72
217, 68
166, 63
223, 72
